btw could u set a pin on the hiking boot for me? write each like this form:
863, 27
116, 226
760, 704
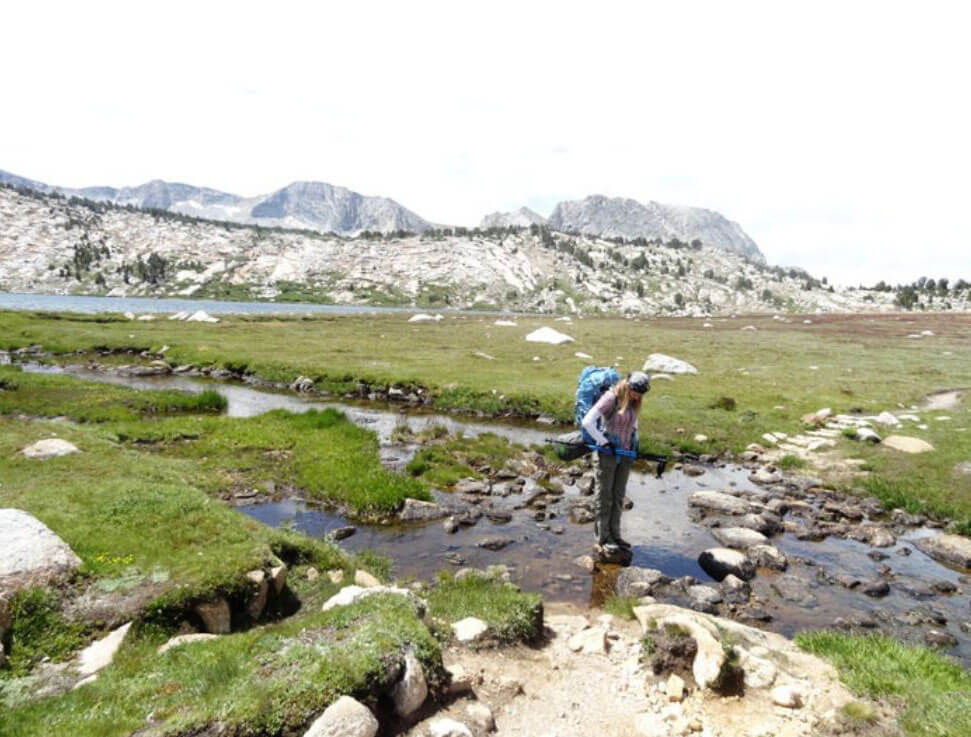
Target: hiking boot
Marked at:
623, 543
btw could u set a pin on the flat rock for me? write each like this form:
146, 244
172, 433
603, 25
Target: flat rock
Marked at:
186, 640
876, 588
906, 444
637, 582
30, 553
738, 537
100, 653
720, 562
415, 510
876, 535
351, 594
717, 501
469, 629
953, 549
765, 476
346, 717
471, 486
49, 448
495, 543
704, 598
940, 638
590, 641
768, 556
794, 589
448, 728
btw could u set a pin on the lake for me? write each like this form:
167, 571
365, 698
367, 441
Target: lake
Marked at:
140, 305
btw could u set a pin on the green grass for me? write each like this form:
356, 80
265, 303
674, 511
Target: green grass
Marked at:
40, 630
933, 692
512, 616
48, 395
862, 362
318, 452
456, 457
790, 462
271, 680
137, 506
620, 606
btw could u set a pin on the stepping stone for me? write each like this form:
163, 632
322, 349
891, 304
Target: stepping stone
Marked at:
907, 444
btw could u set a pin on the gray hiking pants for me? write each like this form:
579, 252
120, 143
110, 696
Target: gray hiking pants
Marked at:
610, 486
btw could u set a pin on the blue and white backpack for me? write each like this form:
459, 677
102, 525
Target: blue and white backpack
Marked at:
593, 382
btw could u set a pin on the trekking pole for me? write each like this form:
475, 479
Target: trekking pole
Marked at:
661, 461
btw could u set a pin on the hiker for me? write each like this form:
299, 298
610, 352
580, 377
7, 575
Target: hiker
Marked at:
612, 424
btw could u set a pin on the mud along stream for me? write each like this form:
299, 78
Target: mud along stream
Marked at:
829, 582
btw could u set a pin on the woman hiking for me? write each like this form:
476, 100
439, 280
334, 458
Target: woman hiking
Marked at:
612, 424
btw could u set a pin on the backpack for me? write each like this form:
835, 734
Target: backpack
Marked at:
593, 382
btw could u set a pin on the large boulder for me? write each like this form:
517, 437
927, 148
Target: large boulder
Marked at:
953, 549
717, 501
710, 656
719, 562
346, 717
662, 364
740, 538
30, 553
767, 660
49, 448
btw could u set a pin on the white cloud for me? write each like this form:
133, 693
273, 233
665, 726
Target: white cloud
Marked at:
835, 133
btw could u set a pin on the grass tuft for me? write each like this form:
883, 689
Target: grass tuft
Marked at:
512, 616
933, 692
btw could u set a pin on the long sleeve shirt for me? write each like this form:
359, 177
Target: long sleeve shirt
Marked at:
605, 424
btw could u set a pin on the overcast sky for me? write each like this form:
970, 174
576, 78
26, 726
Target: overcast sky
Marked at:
836, 134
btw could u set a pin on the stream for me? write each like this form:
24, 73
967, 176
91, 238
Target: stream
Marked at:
540, 555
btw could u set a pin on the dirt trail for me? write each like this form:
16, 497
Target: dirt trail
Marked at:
552, 691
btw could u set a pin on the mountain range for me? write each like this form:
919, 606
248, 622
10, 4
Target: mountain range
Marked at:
330, 209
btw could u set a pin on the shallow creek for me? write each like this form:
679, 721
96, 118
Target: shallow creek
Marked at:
541, 555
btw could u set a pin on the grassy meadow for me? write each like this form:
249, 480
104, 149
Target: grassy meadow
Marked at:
141, 505
775, 374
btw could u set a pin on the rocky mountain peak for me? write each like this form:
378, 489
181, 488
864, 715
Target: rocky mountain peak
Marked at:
614, 217
521, 218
